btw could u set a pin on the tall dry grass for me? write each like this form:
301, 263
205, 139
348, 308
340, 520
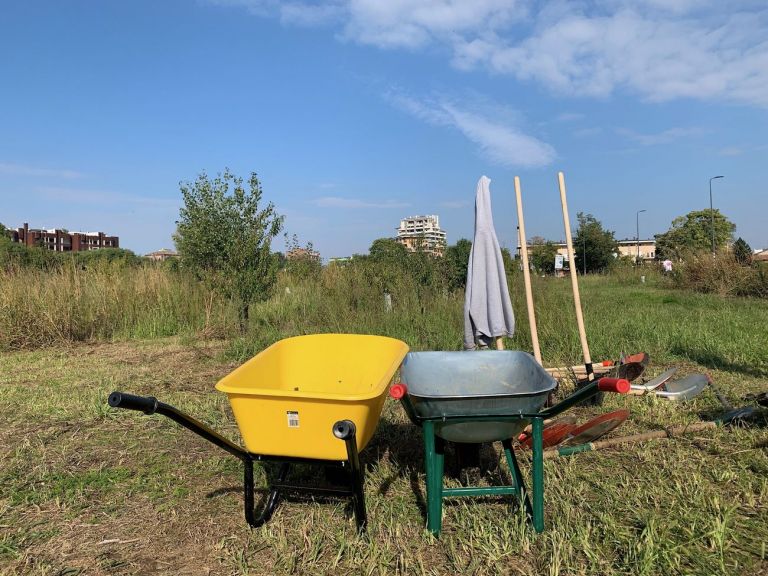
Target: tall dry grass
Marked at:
723, 275
69, 303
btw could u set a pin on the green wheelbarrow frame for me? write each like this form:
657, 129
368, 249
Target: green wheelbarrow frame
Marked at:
434, 455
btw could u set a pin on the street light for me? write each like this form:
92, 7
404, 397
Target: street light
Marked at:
637, 223
712, 212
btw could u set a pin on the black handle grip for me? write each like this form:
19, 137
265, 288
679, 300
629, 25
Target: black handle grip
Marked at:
146, 404
344, 429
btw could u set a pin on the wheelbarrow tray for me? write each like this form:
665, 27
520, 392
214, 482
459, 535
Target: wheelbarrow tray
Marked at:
286, 398
476, 383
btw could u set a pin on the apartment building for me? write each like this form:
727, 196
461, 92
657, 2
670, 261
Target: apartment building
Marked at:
162, 255
646, 249
302, 253
422, 232
63, 241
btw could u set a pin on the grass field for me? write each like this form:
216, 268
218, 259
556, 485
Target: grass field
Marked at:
89, 490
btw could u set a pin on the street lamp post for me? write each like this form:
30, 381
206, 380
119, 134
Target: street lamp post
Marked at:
712, 212
637, 224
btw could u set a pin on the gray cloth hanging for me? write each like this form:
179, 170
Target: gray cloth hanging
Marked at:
487, 306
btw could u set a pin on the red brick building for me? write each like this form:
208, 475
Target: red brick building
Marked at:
63, 241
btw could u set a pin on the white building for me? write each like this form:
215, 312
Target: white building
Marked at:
422, 232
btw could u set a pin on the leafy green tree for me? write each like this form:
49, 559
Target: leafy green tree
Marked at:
388, 250
542, 254
224, 236
693, 233
742, 252
593, 244
456, 262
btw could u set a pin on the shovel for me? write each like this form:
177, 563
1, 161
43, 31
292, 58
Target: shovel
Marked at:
685, 389
652, 385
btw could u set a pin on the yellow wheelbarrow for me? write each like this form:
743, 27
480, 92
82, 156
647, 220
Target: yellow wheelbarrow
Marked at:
313, 399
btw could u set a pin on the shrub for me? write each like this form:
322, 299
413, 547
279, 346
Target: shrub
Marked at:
723, 275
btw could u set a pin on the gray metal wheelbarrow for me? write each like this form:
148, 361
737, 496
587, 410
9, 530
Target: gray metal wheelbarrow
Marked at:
487, 396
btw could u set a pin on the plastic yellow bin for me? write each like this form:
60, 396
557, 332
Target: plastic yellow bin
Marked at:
287, 398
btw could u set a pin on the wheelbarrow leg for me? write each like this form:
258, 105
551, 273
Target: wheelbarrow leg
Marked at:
435, 463
345, 430
272, 498
538, 475
517, 477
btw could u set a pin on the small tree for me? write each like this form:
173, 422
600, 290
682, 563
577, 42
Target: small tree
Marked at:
388, 250
593, 244
457, 260
693, 233
224, 237
542, 255
742, 252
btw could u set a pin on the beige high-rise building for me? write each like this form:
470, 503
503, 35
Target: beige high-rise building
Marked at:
422, 232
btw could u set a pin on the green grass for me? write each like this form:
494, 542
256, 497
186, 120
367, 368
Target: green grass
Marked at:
90, 490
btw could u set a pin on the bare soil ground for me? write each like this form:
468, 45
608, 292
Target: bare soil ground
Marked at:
89, 490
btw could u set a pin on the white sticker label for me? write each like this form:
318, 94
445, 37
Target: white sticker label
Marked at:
293, 419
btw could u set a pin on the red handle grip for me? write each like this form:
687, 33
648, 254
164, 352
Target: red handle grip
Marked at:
618, 385
607, 362
398, 390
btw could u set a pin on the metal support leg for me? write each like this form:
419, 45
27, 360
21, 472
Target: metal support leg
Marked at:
538, 475
434, 461
517, 477
345, 430
272, 498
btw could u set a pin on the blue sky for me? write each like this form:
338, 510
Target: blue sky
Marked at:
357, 113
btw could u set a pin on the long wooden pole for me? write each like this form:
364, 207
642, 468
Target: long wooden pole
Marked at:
527, 273
574, 280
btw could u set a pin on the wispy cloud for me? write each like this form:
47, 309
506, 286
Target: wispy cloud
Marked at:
498, 139
658, 49
338, 202
731, 151
36, 171
664, 137
413, 23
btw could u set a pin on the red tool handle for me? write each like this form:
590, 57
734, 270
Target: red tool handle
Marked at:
397, 391
618, 385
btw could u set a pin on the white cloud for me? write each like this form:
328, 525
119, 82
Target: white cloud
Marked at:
338, 202
657, 49
415, 23
24, 170
489, 127
731, 151
655, 56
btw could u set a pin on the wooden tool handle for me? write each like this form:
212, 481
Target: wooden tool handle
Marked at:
527, 274
574, 281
